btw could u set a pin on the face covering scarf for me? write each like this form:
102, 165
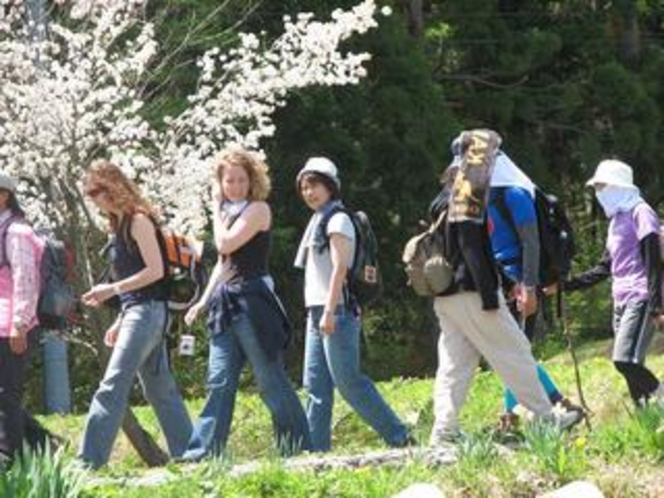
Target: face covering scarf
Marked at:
507, 174
614, 199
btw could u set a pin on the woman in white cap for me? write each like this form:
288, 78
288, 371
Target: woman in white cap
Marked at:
332, 345
633, 261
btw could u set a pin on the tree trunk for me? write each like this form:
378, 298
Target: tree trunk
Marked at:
626, 31
415, 15
143, 442
630, 42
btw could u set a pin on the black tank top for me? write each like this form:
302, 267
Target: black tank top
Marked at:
249, 261
127, 261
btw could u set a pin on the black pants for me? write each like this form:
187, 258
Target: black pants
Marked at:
16, 425
641, 382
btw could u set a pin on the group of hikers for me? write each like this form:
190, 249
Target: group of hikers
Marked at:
487, 311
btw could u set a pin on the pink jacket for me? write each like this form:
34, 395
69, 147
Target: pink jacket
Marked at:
20, 281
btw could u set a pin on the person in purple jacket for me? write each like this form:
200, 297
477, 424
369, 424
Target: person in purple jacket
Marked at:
633, 261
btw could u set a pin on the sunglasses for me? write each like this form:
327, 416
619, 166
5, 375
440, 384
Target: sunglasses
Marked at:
95, 191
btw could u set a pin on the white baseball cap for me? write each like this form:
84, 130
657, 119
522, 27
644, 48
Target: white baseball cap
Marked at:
7, 182
322, 166
612, 172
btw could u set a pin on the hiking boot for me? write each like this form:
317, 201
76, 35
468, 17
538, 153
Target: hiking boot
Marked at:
567, 406
79, 465
657, 397
445, 436
509, 422
409, 442
566, 420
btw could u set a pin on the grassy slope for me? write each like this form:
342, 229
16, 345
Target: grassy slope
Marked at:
621, 453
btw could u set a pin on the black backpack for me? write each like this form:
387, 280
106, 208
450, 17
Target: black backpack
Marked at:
364, 279
56, 297
556, 237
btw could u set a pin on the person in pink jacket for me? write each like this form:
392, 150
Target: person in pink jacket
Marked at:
19, 294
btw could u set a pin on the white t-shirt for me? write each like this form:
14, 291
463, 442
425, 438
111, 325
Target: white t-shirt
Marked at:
318, 269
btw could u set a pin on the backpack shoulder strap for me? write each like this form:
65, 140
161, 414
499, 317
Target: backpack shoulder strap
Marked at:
322, 226
501, 206
4, 228
236, 216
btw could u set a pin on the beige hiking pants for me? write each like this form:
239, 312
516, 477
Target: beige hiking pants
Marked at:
468, 333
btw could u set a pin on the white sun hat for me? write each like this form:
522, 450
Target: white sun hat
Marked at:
322, 166
7, 182
612, 172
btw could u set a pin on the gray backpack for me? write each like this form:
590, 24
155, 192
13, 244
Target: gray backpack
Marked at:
429, 272
56, 295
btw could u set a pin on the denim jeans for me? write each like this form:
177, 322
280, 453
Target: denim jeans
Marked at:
229, 352
140, 349
334, 360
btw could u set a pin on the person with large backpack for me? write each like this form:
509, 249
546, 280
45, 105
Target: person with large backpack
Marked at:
138, 334
332, 344
632, 259
473, 315
515, 241
245, 319
19, 331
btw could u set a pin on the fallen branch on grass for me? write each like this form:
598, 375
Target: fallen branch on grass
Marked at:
442, 455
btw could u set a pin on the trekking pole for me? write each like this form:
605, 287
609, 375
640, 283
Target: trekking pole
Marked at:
562, 313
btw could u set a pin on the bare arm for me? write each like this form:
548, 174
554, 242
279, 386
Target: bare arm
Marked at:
340, 249
195, 309
255, 218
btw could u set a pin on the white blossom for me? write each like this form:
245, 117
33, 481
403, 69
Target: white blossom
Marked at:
76, 95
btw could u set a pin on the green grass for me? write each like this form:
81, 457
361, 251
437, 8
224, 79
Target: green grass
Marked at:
45, 476
623, 453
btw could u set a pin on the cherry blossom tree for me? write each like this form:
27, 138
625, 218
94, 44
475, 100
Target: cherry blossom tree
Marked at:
76, 93
73, 89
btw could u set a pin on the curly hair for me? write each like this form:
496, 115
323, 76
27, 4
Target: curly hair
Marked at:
122, 192
257, 170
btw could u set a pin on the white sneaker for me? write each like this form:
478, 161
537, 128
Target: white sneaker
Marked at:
566, 420
658, 396
445, 436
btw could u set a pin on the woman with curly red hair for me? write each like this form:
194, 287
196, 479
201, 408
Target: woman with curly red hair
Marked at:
137, 335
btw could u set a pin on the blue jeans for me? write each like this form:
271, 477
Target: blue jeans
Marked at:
140, 349
228, 353
334, 360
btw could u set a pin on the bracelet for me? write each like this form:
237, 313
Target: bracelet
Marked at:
116, 289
